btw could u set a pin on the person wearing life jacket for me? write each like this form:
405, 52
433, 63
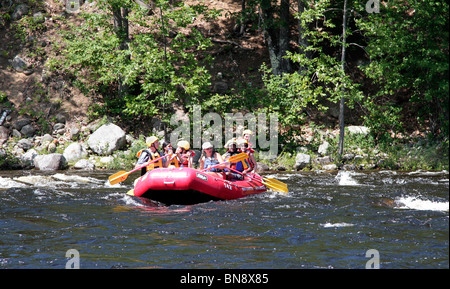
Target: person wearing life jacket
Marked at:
211, 158
232, 150
171, 160
150, 154
249, 164
247, 134
184, 155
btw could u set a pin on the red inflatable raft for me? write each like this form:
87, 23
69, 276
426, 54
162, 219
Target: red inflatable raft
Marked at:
185, 186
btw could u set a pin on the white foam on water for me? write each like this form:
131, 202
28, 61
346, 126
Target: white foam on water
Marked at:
427, 173
336, 225
108, 185
282, 176
6, 183
40, 181
414, 203
75, 179
345, 178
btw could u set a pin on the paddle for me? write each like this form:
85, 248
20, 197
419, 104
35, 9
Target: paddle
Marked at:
232, 159
275, 182
282, 187
123, 175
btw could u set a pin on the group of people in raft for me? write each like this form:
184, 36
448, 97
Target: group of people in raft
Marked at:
183, 157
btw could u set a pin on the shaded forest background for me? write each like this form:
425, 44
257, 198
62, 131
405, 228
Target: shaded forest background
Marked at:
313, 62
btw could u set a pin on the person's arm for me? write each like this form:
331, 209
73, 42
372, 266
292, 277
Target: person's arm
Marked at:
202, 163
220, 160
143, 158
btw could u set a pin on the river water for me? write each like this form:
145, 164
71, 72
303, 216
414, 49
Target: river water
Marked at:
344, 219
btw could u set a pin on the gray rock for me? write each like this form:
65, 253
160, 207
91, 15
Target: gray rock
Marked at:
25, 144
323, 148
301, 161
348, 157
51, 148
261, 167
84, 165
330, 167
4, 134
20, 11
323, 160
59, 126
74, 132
74, 152
19, 64
46, 138
107, 139
28, 130
39, 17
61, 118
16, 133
27, 158
358, 129
18, 124
51, 162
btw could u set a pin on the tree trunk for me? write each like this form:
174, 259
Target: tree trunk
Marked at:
277, 35
303, 42
342, 103
120, 21
242, 29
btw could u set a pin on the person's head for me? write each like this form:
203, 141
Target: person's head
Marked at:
242, 144
183, 145
231, 145
167, 146
208, 148
152, 142
247, 134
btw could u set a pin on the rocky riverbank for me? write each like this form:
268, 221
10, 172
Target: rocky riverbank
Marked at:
77, 146
101, 144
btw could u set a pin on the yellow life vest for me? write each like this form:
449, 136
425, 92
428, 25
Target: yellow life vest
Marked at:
152, 156
174, 162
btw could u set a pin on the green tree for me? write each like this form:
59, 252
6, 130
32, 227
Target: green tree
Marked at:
409, 55
139, 63
322, 73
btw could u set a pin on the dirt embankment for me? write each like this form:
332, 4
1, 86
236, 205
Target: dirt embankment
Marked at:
33, 92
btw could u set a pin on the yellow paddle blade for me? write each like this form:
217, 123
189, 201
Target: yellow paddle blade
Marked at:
237, 158
276, 187
275, 182
118, 177
130, 192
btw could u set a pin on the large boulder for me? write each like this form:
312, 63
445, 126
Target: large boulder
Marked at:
51, 162
107, 139
301, 161
74, 152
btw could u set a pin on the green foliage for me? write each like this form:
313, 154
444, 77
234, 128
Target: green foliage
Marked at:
7, 159
319, 77
156, 67
408, 47
3, 97
383, 120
